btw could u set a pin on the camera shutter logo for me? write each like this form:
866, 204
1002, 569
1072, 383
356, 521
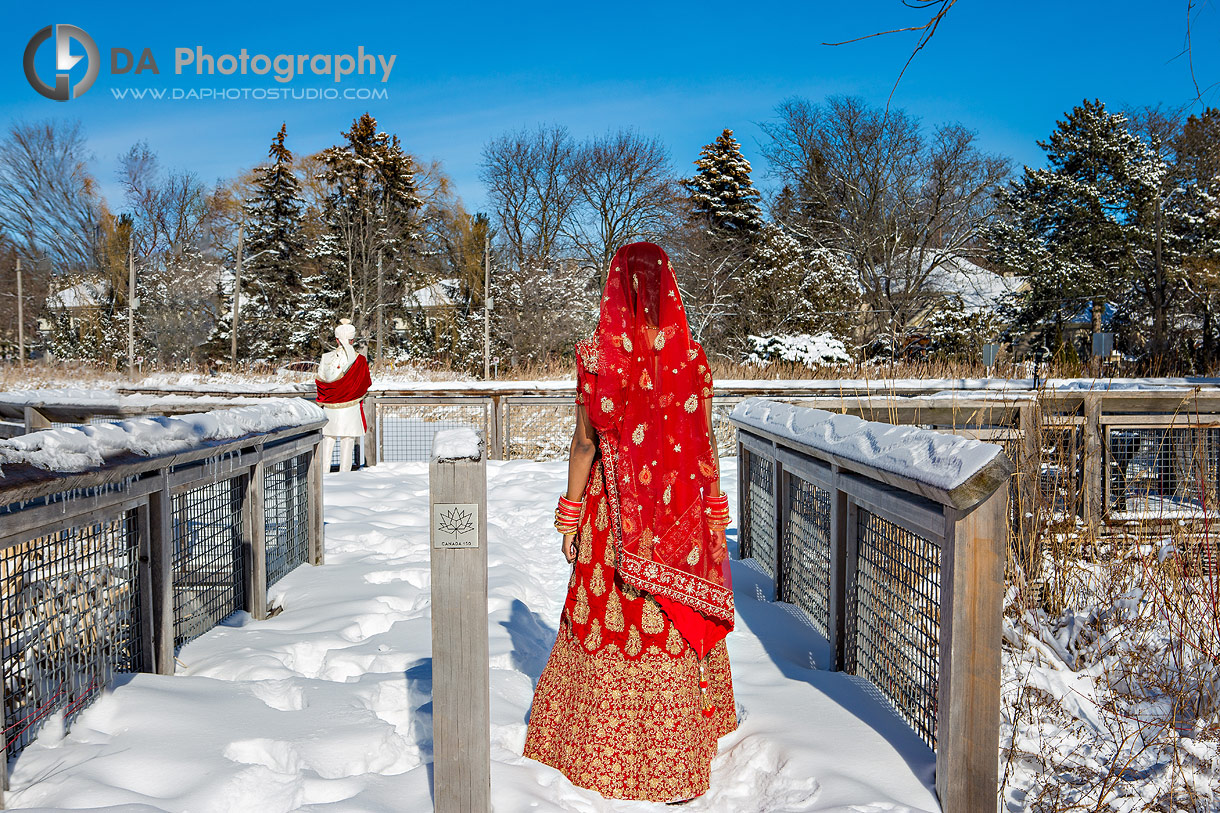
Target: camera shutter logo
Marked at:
64, 61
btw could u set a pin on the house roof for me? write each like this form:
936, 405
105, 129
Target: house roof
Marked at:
81, 295
437, 295
977, 287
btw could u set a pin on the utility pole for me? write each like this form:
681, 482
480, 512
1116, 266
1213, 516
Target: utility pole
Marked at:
20, 317
131, 307
487, 307
380, 308
241, 233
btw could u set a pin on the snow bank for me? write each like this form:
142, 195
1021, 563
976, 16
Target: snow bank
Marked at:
327, 706
456, 444
803, 348
71, 448
937, 459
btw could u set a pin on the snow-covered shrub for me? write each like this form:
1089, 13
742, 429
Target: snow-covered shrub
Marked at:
815, 350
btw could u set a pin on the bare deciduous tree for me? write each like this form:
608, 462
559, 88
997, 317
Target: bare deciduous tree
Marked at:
49, 206
626, 192
528, 174
866, 183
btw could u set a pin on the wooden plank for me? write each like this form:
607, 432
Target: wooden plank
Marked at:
460, 680
809, 469
36, 420
27, 523
161, 573
254, 542
317, 466
1028, 473
916, 514
968, 701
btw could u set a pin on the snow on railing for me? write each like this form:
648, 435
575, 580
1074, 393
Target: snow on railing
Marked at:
120, 543
892, 540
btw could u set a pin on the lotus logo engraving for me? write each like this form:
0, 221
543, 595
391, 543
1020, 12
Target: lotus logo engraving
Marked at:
65, 60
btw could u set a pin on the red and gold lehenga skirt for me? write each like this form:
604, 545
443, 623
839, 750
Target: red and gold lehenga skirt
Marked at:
618, 708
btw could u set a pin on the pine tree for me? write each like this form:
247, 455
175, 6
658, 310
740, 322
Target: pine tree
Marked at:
1079, 230
370, 212
721, 190
271, 283
787, 288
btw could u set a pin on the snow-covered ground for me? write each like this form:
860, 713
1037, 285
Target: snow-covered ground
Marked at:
327, 705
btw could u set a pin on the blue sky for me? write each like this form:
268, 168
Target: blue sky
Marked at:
465, 72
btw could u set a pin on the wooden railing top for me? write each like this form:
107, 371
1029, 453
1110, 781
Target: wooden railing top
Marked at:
949, 469
24, 481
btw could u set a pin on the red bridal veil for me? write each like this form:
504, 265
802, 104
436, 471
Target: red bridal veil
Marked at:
647, 405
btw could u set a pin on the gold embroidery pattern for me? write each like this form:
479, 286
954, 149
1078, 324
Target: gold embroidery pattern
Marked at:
580, 614
645, 476
637, 437
597, 584
652, 620
674, 644
614, 613
603, 516
584, 551
593, 638
626, 728
607, 405
691, 403
609, 556
634, 644
586, 351
692, 558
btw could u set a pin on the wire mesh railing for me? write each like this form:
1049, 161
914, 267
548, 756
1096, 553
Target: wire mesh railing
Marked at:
407, 425
209, 572
902, 577
286, 509
806, 579
71, 620
893, 620
1162, 471
113, 570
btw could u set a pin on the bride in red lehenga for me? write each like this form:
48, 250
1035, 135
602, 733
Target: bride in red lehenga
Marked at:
637, 690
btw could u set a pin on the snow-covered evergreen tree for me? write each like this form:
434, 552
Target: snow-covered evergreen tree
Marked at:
787, 288
370, 211
721, 191
272, 257
1079, 229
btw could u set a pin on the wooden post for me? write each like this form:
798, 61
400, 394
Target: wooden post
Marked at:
147, 633
495, 447
743, 501
1094, 462
851, 561
35, 420
968, 695
780, 501
461, 728
254, 542
317, 466
372, 436
1028, 472
836, 623
161, 571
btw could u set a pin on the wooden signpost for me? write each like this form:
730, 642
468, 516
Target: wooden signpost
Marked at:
461, 713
